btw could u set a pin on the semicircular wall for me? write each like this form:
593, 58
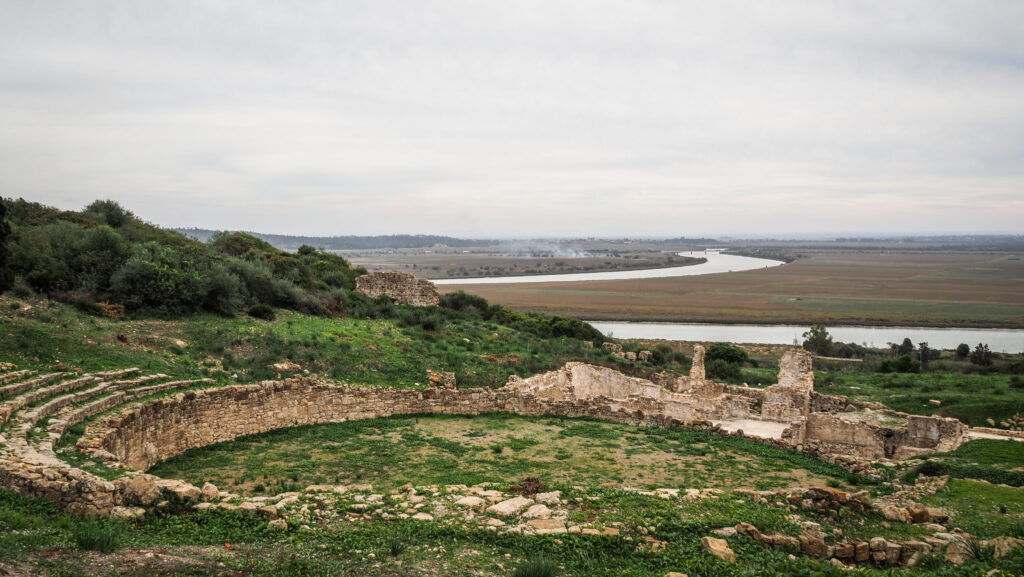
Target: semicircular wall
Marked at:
146, 434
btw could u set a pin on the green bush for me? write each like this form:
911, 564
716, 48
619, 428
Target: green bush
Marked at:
726, 352
538, 566
262, 311
98, 535
723, 370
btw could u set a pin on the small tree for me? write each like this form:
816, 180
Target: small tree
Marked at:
905, 348
981, 355
818, 341
962, 350
923, 347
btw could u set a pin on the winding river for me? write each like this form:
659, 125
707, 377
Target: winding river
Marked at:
1000, 340
717, 263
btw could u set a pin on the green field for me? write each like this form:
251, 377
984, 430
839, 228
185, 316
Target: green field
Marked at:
497, 449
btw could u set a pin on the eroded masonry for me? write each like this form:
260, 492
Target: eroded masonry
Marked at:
137, 436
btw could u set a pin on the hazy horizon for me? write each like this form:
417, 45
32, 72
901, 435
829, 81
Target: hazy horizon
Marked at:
532, 119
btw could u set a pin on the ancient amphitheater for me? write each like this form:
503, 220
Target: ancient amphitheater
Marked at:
134, 429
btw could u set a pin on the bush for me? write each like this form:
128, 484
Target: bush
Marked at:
904, 364
538, 566
262, 311
726, 352
97, 535
720, 369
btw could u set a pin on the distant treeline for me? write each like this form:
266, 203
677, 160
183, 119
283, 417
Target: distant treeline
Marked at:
292, 243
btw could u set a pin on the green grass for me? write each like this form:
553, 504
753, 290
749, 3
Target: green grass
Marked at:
499, 448
46, 335
217, 542
972, 398
977, 507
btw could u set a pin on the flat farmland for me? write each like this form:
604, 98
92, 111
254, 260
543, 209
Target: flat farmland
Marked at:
952, 289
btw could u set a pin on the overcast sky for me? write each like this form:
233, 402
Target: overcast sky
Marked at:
521, 118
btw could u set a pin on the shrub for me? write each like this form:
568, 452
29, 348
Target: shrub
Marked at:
97, 535
262, 311
962, 350
726, 352
537, 566
720, 369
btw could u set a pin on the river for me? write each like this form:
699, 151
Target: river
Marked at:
717, 263
1000, 340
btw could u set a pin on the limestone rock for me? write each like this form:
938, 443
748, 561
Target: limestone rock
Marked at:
423, 517
278, 524
210, 491
510, 507
127, 512
1004, 545
141, 491
537, 512
552, 498
898, 514
547, 526
718, 547
471, 501
813, 546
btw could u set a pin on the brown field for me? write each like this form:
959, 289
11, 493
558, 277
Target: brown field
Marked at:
445, 262
968, 289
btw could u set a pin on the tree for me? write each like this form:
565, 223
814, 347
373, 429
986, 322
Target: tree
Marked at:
905, 348
5, 231
818, 341
923, 347
726, 352
962, 350
981, 355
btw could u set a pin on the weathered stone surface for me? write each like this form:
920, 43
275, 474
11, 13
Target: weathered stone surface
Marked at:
537, 512
1004, 545
141, 491
209, 491
403, 287
718, 547
813, 546
547, 526
510, 507
551, 498
898, 514
471, 501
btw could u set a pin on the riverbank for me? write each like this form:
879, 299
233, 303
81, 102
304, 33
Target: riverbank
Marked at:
999, 340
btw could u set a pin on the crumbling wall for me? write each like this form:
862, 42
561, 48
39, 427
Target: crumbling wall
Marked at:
831, 434
790, 399
404, 287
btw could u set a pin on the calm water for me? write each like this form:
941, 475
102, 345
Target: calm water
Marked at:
1001, 340
717, 263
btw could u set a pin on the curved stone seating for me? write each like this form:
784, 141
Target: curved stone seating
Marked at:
11, 390
139, 435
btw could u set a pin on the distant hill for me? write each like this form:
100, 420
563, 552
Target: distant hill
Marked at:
292, 243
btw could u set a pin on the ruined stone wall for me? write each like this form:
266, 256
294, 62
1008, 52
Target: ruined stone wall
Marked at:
831, 434
405, 288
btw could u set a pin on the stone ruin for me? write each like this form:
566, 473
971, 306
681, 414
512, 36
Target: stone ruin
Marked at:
790, 412
137, 436
403, 287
